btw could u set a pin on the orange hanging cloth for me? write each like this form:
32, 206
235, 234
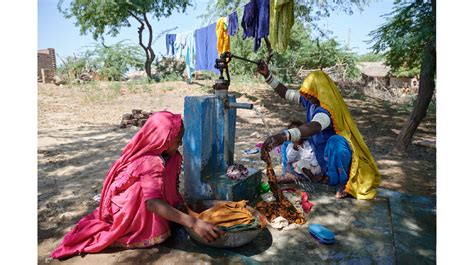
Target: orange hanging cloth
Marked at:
223, 39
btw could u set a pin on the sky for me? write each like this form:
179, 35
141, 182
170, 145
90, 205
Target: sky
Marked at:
55, 31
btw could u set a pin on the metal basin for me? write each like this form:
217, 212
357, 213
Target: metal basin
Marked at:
229, 239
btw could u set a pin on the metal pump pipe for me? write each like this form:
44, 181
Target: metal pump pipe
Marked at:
236, 105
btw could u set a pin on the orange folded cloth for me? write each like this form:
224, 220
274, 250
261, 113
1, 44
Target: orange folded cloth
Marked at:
226, 214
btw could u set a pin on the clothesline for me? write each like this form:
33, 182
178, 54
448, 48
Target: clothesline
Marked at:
200, 47
229, 13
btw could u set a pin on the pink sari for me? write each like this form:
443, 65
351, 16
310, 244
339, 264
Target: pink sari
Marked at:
138, 175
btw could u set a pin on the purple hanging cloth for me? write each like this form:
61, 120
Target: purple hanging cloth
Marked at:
256, 21
233, 23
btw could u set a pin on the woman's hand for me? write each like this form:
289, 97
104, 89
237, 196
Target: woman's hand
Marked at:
206, 230
273, 141
296, 146
262, 68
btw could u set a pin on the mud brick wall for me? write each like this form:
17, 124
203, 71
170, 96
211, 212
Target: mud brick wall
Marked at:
47, 61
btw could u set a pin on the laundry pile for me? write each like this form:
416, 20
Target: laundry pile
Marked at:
230, 216
281, 206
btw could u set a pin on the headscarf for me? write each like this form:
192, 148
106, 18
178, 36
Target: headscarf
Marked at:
364, 175
157, 135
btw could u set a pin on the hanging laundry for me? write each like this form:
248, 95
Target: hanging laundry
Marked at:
281, 21
223, 40
190, 55
212, 54
233, 23
170, 39
206, 48
256, 20
179, 45
185, 50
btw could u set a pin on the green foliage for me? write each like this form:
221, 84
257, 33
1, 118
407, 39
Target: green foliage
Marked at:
107, 17
108, 63
113, 62
371, 57
304, 51
169, 69
407, 71
73, 66
409, 27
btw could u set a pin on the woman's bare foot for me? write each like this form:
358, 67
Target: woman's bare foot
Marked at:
341, 194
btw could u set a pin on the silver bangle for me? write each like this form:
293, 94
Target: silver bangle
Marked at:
270, 76
295, 134
274, 83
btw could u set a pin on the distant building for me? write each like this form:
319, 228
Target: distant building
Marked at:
46, 65
374, 73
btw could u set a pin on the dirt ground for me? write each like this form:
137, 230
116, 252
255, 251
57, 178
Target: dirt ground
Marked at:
79, 138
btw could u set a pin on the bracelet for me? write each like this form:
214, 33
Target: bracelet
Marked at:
272, 81
295, 134
270, 76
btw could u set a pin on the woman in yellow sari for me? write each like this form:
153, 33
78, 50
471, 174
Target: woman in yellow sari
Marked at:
341, 152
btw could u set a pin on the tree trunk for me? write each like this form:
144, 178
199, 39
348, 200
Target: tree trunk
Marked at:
425, 93
149, 53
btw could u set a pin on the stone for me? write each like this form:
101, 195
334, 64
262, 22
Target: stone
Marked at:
127, 116
141, 122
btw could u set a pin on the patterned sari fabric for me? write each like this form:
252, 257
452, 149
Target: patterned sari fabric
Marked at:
138, 175
281, 206
364, 175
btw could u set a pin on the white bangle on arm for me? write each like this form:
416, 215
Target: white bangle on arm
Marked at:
295, 134
323, 119
272, 81
292, 95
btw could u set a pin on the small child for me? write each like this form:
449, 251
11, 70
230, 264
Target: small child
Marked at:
301, 158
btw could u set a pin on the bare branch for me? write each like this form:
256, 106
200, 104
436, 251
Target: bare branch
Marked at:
150, 38
140, 31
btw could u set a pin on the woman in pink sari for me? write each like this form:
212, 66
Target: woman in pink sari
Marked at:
139, 195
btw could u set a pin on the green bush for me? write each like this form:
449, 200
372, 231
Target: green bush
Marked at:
169, 69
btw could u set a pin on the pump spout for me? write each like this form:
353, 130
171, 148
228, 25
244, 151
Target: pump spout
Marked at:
235, 105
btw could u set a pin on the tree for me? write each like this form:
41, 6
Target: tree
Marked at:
408, 40
107, 63
107, 17
114, 61
305, 49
